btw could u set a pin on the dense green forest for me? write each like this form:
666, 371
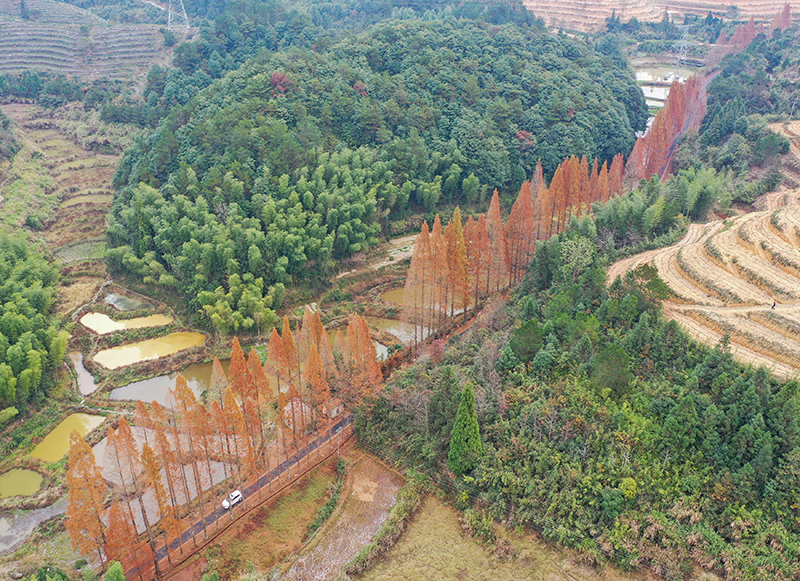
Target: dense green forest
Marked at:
603, 426
31, 345
306, 156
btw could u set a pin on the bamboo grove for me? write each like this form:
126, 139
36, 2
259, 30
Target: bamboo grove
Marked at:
249, 421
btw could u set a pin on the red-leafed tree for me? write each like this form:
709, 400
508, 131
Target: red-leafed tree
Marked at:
361, 374
317, 385
417, 292
172, 526
457, 264
439, 275
218, 383
123, 544
520, 233
498, 249
85, 510
238, 373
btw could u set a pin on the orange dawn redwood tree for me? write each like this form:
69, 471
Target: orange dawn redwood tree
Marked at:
85, 509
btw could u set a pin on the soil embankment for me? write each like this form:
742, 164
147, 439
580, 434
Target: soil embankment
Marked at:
371, 491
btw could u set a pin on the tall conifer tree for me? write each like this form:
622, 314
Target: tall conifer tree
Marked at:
465, 439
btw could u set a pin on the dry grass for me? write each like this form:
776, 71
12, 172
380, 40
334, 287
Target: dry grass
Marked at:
77, 292
727, 280
434, 546
274, 530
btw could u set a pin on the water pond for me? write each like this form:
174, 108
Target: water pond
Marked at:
19, 482
198, 378
86, 384
403, 330
102, 324
56, 443
17, 526
124, 303
147, 350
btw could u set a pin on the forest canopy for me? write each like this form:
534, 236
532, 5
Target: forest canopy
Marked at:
30, 343
304, 156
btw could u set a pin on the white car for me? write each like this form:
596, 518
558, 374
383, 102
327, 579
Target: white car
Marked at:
234, 497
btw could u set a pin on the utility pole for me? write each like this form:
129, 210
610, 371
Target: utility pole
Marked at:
680, 48
182, 14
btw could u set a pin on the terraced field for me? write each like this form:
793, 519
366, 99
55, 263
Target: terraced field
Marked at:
64, 39
726, 276
75, 232
590, 15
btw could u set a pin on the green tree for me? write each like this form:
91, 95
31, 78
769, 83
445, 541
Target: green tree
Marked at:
115, 572
465, 439
612, 371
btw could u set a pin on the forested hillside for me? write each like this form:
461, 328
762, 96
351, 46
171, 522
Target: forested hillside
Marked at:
305, 156
602, 425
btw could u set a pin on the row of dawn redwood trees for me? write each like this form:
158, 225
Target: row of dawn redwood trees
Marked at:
251, 418
453, 269
745, 34
684, 109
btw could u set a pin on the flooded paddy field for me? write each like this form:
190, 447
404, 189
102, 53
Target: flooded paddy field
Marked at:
366, 506
20, 482
150, 349
56, 444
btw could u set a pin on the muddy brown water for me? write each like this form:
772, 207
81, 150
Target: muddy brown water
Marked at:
102, 324
198, 378
19, 482
366, 507
56, 443
147, 350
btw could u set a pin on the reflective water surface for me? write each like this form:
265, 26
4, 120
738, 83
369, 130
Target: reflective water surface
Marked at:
101, 323
86, 384
19, 482
56, 443
149, 349
124, 303
198, 377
